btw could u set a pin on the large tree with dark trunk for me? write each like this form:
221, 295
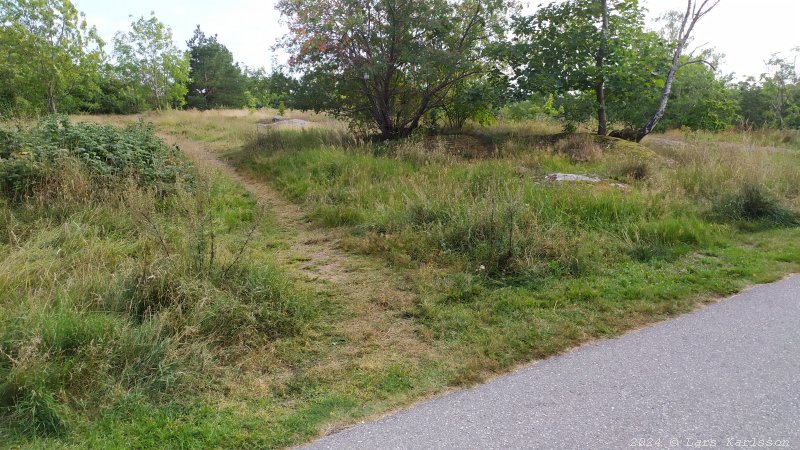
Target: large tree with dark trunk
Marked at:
387, 63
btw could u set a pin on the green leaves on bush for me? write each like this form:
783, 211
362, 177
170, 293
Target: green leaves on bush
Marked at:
28, 157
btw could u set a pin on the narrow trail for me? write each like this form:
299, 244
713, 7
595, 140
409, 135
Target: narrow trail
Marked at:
371, 290
667, 142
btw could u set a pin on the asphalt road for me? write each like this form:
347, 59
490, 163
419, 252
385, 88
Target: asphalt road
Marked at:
727, 376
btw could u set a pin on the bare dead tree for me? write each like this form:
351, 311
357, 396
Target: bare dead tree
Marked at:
695, 10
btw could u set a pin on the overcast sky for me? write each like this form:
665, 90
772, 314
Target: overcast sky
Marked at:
746, 31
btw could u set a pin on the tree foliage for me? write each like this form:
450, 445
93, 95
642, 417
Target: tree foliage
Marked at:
695, 10
781, 84
49, 55
391, 66
701, 100
149, 61
269, 90
389, 62
772, 100
216, 81
473, 99
556, 50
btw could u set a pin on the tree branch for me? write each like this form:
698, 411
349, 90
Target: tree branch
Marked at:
697, 61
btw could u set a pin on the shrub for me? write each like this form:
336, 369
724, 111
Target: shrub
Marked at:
29, 157
755, 203
19, 176
632, 170
533, 109
578, 148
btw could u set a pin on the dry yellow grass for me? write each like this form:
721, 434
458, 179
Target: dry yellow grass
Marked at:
578, 148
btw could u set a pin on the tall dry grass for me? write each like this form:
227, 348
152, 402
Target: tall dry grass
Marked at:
111, 287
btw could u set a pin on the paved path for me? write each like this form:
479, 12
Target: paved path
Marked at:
728, 373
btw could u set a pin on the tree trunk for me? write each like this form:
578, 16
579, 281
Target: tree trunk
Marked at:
694, 12
602, 117
662, 105
51, 98
600, 90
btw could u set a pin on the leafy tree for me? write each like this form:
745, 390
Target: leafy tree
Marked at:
594, 54
216, 81
701, 101
250, 101
389, 62
755, 105
148, 60
781, 84
117, 95
270, 90
695, 10
774, 99
49, 54
473, 99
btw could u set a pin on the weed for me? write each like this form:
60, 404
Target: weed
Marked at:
578, 148
632, 170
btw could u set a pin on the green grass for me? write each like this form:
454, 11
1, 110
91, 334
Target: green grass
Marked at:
117, 298
119, 329
523, 268
766, 137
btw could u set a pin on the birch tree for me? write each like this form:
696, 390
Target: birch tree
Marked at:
695, 10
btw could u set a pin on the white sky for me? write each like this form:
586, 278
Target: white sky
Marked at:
746, 31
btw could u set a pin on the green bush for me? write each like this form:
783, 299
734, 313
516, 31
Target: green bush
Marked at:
19, 176
28, 157
532, 109
754, 203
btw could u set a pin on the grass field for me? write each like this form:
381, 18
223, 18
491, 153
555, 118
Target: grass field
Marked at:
373, 274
